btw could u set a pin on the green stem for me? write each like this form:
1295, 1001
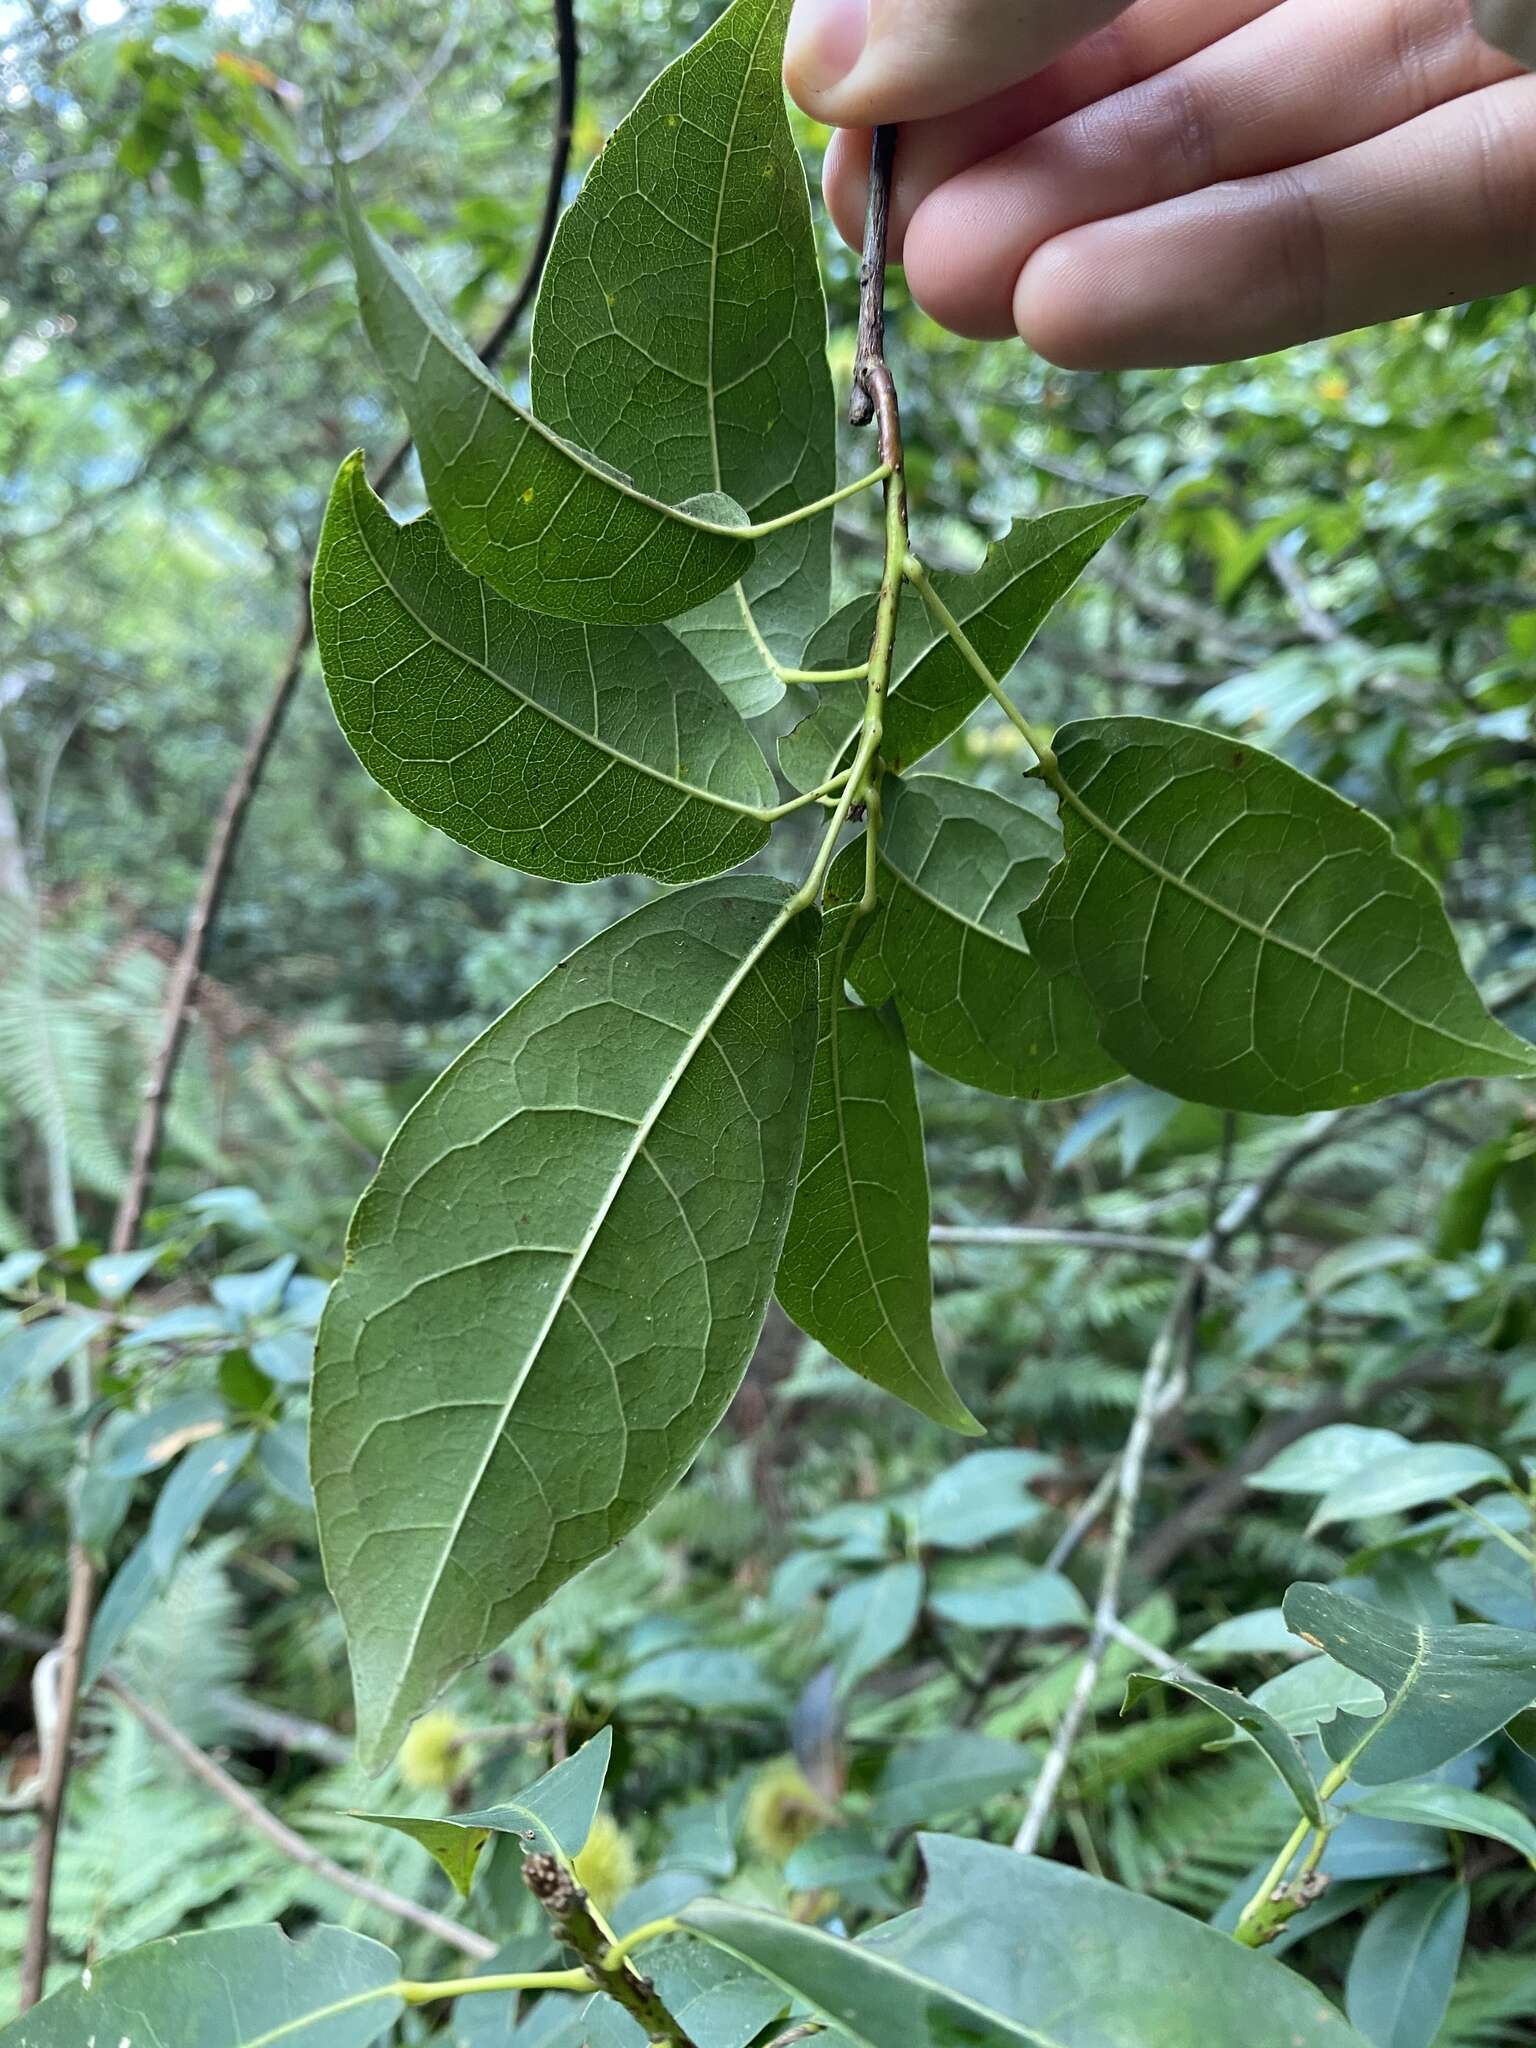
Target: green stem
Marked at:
943, 617
1511, 1542
800, 803
516, 1980
823, 675
1265, 1913
653, 1930
871, 896
803, 512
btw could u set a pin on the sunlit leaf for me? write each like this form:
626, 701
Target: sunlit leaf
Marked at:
1249, 938
681, 331
566, 750
581, 1219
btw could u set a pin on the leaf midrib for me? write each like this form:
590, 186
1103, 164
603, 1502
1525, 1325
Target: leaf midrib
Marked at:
323, 2012
673, 1080
1223, 911
686, 789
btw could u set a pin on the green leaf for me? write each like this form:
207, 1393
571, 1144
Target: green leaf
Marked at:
1278, 1746
854, 1274
1310, 1695
1101, 1967
555, 1814
1445, 1688
946, 1775
933, 689
29, 1353
1003, 1592
1261, 1632
153, 1439
582, 1217
546, 524
980, 1498
116, 1274
565, 750
1317, 1462
836, 1859
1248, 938
1407, 1479
718, 2002
701, 1678
681, 332
133, 1586
1405, 1963
239, 1987
869, 1620
1436, 1805
196, 1484
957, 866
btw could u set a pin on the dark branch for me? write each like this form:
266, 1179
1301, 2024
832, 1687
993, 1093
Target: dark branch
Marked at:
571, 1915
863, 404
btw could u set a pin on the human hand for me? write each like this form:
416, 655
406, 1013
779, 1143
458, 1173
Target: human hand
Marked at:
1179, 181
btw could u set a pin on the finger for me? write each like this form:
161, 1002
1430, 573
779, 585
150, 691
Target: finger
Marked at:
1262, 99
1436, 212
1148, 38
853, 63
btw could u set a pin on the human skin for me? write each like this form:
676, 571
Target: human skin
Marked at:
1179, 181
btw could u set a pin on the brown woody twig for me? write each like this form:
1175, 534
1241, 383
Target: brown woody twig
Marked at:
571, 1914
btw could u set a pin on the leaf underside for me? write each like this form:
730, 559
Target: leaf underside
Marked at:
1248, 938
957, 866
681, 332
554, 1284
933, 689
566, 750
854, 1274
547, 525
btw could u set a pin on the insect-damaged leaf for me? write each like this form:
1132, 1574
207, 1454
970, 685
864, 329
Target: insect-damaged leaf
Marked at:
957, 865
546, 524
579, 1221
1248, 938
854, 1274
681, 331
1444, 1688
566, 750
933, 688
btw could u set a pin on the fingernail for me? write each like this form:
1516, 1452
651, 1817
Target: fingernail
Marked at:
826, 39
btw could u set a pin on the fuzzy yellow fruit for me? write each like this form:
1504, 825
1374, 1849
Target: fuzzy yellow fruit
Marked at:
783, 1810
429, 1755
605, 1867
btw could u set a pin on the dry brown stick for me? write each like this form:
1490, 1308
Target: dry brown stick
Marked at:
198, 1764
870, 352
176, 1014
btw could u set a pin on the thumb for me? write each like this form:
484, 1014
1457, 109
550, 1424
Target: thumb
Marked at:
853, 63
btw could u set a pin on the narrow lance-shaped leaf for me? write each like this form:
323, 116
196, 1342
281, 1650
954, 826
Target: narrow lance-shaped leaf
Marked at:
1248, 938
555, 1814
681, 331
854, 1274
237, 1987
1432, 1803
565, 750
1282, 1750
1405, 1963
1445, 1688
581, 1219
933, 689
957, 865
546, 524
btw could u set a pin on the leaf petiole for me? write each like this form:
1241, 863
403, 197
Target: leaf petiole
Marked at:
516, 1980
652, 1930
803, 512
943, 617
811, 796
823, 675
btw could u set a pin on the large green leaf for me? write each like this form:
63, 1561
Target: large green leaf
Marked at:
681, 331
1405, 1964
548, 525
1008, 1948
1445, 1688
1432, 1803
580, 1220
239, 1987
1279, 1746
945, 1775
1407, 1479
1250, 939
566, 750
854, 1274
554, 1813
718, 2002
933, 689
957, 866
